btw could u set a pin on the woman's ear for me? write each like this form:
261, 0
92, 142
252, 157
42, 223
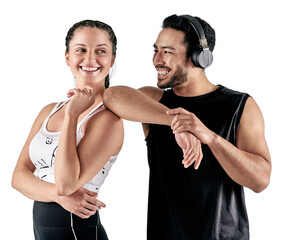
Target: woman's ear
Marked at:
66, 58
113, 60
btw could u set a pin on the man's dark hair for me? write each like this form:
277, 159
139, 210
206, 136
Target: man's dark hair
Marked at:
191, 40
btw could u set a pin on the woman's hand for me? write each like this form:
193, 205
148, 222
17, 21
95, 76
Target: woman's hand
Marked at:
81, 100
82, 203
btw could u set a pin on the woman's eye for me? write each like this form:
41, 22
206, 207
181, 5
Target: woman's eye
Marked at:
101, 51
80, 50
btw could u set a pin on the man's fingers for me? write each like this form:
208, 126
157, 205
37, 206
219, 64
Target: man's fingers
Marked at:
181, 123
175, 111
189, 159
199, 156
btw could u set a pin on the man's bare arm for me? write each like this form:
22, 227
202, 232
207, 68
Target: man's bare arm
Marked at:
249, 163
143, 106
132, 104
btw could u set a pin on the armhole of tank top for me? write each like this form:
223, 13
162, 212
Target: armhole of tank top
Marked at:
149, 125
58, 106
82, 123
242, 104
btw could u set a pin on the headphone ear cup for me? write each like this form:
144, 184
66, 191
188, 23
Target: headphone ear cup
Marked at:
202, 58
195, 57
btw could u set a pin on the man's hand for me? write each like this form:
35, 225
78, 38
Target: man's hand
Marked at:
82, 203
191, 148
185, 121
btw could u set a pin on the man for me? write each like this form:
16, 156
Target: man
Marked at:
205, 201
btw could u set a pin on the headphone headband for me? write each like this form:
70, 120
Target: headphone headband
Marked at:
201, 58
196, 25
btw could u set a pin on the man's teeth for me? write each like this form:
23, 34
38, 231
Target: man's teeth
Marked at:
162, 72
89, 69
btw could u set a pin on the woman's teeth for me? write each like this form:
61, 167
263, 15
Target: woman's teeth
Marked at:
90, 69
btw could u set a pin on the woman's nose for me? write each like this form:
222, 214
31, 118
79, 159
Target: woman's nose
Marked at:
90, 57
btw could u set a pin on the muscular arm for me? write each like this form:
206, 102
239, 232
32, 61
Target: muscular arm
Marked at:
137, 105
249, 163
143, 106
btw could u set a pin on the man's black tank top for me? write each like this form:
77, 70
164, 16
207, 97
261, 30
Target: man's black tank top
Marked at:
189, 204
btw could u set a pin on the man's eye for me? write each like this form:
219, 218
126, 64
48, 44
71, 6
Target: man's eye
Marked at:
167, 52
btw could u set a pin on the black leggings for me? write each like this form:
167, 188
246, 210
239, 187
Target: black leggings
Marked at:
53, 222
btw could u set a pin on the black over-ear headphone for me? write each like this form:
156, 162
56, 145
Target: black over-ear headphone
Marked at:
201, 57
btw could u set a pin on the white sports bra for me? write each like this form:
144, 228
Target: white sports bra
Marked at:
42, 151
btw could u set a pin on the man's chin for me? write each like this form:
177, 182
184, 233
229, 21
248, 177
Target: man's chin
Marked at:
162, 86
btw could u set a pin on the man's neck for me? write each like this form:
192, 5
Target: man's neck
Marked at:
195, 86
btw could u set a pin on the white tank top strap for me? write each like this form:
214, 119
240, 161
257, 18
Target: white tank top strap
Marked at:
90, 114
57, 107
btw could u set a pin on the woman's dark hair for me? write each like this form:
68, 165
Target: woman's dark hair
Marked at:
93, 24
191, 39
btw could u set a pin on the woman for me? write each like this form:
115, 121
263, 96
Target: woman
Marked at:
73, 144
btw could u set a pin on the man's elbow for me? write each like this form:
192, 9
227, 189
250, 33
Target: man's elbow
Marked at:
109, 96
263, 179
106, 96
262, 183
262, 186
259, 189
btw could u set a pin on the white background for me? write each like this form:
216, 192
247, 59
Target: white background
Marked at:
33, 73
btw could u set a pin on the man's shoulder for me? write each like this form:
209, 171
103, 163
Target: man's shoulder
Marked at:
227, 91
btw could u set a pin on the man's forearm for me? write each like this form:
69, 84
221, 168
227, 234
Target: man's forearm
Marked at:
131, 104
247, 169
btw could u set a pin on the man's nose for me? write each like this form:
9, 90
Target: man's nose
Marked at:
158, 59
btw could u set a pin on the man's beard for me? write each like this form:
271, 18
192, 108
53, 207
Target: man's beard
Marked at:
179, 77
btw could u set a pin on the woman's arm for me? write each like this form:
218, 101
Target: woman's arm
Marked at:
28, 184
23, 177
103, 138
75, 166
